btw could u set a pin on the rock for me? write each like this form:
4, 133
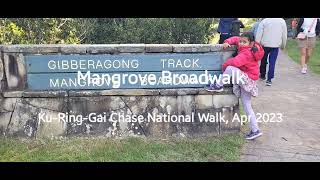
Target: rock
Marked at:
191, 48
220, 101
12, 94
24, 121
4, 121
156, 48
31, 49
131, 48
73, 49
102, 49
178, 92
218, 48
7, 104
51, 124
204, 101
114, 92
44, 94
231, 125
201, 128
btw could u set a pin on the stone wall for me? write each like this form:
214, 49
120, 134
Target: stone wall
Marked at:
23, 113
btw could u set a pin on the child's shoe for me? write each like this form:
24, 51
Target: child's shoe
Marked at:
253, 135
214, 88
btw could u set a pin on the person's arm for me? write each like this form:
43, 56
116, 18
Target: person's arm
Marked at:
260, 32
237, 61
299, 29
233, 40
284, 34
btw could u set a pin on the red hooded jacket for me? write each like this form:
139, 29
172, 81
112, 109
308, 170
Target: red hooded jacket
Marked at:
246, 60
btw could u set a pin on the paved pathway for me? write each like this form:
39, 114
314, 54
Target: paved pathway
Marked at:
297, 97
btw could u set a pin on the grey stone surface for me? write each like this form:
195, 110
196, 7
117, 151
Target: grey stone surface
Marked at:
218, 47
131, 48
226, 91
159, 48
12, 94
32, 49
51, 124
36, 94
178, 92
297, 137
115, 92
228, 123
204, 101
205, 127
220, 101
181, 107
7, 104
44, 94
26, 114
4, 121
23, 122
102, 49
171, 116
73, 49
191, 47
52, 104
83, 106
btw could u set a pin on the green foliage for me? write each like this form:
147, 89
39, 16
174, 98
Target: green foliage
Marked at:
42, 30
248, 23
104, 30
111, 30
151, 30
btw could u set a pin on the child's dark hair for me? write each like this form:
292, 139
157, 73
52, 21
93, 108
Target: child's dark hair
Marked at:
248, 35
251, 38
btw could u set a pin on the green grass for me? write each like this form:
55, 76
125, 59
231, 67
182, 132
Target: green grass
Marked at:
224, 148
294, 53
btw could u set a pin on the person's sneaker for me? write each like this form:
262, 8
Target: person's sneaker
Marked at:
304, 69
268, 83
214, 88
253, 135
262, 78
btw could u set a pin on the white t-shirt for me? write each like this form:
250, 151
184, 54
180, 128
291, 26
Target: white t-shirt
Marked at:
307, 23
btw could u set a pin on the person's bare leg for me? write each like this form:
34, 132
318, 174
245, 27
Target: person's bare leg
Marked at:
303, 54
308, 55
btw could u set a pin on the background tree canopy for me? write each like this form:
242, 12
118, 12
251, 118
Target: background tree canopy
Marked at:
110, 30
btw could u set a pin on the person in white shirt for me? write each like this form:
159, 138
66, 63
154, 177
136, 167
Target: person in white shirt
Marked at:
310, 27
272, 35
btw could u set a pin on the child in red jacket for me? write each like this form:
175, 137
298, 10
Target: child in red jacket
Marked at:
245, 69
